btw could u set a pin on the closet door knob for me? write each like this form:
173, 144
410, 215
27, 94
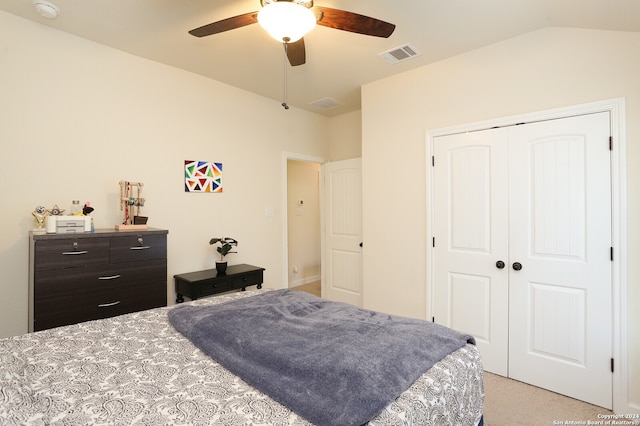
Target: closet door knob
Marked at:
499, 264
516, 266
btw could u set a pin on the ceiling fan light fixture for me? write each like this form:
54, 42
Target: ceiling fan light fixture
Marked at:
286, 21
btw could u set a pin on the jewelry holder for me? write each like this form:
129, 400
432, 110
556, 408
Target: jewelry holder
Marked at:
130, 203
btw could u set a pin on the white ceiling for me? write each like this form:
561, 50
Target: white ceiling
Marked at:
338, 62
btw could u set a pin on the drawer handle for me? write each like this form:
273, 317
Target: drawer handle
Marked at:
111, 277
106, 305
140, 248
73, 253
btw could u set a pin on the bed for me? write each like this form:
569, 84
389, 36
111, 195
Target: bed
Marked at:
138, 369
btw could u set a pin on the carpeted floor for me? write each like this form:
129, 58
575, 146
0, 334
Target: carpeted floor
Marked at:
509, 402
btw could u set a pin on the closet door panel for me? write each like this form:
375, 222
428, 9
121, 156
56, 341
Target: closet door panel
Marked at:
470, 190
560, 232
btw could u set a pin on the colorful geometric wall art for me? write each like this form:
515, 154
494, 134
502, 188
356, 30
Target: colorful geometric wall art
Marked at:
202, 176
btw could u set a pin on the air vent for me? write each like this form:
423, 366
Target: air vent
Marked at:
399, 54
326, 103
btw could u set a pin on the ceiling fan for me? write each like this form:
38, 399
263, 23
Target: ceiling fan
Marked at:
289, 20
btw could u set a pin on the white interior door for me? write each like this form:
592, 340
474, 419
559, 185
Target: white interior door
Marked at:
552, 196
470, 237
342, 260
560, 232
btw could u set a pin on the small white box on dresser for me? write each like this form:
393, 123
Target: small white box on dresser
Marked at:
68, 224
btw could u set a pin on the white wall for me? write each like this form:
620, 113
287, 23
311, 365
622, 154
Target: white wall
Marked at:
77, 117
303, 222
542, 70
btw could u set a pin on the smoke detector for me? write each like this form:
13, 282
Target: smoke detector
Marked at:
46, 9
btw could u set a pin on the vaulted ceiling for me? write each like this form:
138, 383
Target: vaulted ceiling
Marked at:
337, 62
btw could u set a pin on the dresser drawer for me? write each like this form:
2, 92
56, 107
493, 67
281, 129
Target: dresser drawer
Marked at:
72, 252
137, 247
73, 283
74, 307
213, 287
245, 280
143, 284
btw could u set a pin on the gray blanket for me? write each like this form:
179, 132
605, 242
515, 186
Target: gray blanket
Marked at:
332, 363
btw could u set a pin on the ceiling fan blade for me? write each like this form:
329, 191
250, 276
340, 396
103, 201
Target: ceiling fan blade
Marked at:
349, 21
296, 52
226, 25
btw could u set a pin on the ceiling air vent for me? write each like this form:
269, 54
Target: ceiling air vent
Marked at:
399, 54
326, 103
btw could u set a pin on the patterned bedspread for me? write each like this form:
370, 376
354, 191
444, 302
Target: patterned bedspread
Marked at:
136, 369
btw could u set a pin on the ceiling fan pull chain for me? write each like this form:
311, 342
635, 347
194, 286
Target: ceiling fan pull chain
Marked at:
286, 48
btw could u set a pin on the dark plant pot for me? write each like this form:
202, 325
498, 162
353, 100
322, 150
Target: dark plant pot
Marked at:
221, 267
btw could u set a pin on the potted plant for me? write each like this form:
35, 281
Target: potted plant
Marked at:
224, 248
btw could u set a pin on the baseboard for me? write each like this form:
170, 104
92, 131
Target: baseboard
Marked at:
304, 281
633, 408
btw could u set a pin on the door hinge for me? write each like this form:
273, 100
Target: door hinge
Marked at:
433, 242
610, 143
612, 365
611, 253
433, 319
433, 161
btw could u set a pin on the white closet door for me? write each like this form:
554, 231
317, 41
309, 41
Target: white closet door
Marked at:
560, 232
537, 197
471, 236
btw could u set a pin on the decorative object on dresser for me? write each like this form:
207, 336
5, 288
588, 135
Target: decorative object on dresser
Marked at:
55, 211
131, 205
226, 244
52, 221
87, 276
208, 282
39, 218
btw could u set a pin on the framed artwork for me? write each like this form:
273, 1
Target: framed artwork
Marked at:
202, 176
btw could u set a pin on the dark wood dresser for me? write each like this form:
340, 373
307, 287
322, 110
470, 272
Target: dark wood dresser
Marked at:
208, 282
93, 275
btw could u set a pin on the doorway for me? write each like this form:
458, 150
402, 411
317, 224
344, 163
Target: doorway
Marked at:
301, 221
486, 299
340, 210
303, 224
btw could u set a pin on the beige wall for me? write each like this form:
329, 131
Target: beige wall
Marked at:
77, 117
542, 70
346, 136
